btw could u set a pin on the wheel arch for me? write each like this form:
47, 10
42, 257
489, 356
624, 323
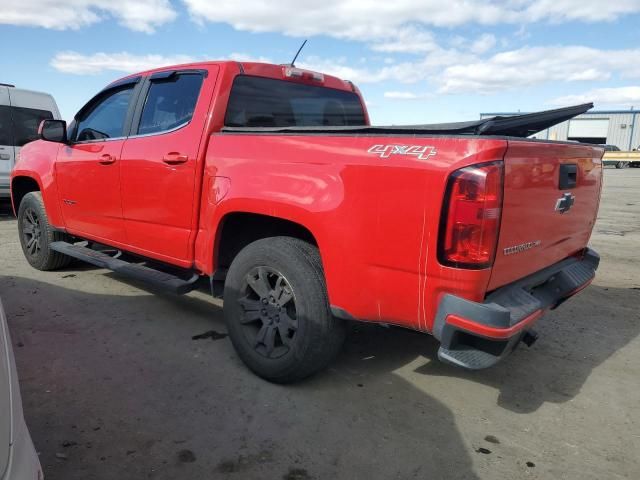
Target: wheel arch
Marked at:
20, 186
239, 228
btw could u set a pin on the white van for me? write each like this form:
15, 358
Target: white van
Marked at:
21, 112
18, 457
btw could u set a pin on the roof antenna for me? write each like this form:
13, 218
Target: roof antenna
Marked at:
299, 50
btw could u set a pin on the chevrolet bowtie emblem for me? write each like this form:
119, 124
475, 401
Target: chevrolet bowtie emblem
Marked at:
564, 203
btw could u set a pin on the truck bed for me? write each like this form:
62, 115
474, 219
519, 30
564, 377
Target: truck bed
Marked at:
380, 198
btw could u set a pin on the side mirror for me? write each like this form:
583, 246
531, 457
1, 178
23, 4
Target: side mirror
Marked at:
53, 131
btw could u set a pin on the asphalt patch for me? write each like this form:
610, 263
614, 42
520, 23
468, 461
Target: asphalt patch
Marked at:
296, 474
212, 334
186, 456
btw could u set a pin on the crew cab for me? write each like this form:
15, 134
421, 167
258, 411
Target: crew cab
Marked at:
269, 181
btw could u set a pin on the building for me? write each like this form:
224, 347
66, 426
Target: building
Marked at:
613, 127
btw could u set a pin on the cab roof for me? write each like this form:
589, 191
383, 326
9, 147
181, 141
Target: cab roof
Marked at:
258, 69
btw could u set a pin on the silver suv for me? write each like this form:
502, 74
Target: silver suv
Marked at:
21, 112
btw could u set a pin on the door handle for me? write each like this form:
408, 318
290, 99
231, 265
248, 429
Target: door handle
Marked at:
174, 158
107, 159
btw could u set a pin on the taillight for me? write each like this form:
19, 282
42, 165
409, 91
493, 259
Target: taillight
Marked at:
471, 216
300, 74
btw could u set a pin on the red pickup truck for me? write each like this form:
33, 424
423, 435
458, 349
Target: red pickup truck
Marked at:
268, 181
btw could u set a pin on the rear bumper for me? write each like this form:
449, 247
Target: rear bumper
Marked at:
478, 335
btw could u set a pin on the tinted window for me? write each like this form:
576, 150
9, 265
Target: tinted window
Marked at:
264, 102
6, 126
105, 117
26, 122
170, 103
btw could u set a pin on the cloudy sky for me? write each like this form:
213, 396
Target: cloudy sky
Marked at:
416, 61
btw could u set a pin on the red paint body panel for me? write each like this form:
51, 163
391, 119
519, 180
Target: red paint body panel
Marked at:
94, 189
376, 219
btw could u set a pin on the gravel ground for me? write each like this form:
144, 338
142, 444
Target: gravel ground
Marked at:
114, 386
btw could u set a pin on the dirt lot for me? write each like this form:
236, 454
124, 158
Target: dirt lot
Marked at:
114, 387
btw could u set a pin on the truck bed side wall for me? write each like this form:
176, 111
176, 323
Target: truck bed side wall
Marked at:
375, 219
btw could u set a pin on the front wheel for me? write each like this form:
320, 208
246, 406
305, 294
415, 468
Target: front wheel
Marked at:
277, 310
36, 235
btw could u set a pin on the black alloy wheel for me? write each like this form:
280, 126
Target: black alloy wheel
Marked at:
32, 232
269, 312
277, 310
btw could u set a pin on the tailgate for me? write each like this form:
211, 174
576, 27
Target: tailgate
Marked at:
551, 196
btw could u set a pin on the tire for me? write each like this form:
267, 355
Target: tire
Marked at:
277, 310
622, 164
36, 235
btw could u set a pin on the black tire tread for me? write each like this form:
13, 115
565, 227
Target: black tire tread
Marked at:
50, 260
327, 332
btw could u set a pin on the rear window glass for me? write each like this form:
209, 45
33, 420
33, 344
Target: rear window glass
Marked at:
6, 126
26, 122
265, 102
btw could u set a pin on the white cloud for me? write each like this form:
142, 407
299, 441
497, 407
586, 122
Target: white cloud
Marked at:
483, 43
393, 26
582, 10
522, 33
359, 20
409, 40
352, 19
627, 96
403, 95
537, 65
79, 64
139, 15
449, 71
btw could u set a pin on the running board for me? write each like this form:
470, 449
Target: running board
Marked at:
161, 280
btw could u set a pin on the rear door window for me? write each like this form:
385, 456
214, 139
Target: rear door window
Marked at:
266, 102
170, 103
104, 117
26, 122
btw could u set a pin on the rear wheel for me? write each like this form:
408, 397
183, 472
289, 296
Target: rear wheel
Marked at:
622, 164
277, 311
36, 235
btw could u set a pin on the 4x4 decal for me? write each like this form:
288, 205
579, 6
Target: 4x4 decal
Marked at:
422, 152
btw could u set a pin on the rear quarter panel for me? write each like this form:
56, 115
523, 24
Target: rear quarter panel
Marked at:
375, 219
